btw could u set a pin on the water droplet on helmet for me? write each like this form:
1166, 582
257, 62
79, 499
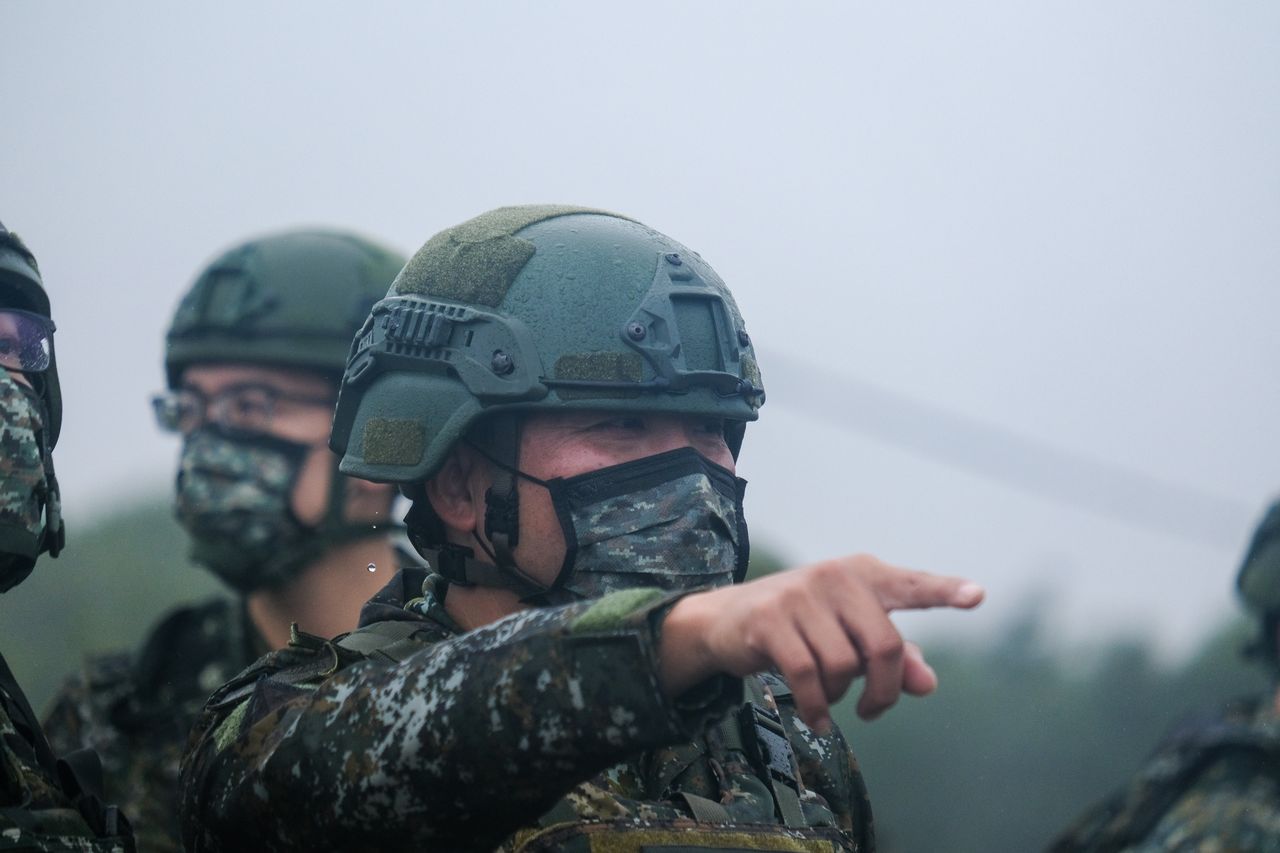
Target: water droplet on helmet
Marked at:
372, 567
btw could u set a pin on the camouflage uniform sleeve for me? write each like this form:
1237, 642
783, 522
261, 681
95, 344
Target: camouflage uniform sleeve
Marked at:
457, 746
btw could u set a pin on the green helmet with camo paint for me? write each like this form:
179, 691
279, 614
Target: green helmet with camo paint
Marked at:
537, 308
285, 300
1259, 582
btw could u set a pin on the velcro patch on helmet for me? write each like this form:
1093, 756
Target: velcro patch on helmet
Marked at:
751, 370
599, 367
477, 261
393, 441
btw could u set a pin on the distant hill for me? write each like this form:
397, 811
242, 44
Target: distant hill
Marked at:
115, 578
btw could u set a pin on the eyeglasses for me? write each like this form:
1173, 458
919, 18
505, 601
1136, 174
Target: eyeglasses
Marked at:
25, 340
249, 408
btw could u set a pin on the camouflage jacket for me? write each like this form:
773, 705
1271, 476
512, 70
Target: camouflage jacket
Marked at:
136, 711
1213, 785
544, 731
43, 806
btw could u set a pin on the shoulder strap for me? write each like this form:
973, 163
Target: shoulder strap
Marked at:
389, 640
756, 731
774, 755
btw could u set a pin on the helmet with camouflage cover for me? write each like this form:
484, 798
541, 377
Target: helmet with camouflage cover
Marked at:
286, 300
536, 308
530, 309
1259, 582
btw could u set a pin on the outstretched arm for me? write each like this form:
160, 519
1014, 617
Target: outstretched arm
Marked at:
820, 626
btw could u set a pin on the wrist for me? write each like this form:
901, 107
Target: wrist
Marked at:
684, 659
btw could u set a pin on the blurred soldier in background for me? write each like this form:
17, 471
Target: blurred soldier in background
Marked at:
45, 803
562, 393
253, 360
1213, 784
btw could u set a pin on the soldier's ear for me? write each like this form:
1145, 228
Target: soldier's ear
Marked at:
455, 494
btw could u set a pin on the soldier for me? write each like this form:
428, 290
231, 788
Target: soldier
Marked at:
1213, 784
45, 803
253, 360
562, 393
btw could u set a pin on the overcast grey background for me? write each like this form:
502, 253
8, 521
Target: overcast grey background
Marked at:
1011, 267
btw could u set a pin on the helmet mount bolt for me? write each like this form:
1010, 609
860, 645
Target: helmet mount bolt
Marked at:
635, 331
502, 363
673, 258
743, 338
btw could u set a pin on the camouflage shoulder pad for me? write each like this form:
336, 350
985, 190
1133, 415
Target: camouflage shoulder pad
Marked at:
306, 658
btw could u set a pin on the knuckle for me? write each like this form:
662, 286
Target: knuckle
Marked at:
793, 597
844, 664
802, 669
885, 648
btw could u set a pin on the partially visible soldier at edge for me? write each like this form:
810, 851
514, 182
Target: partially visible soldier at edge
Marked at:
46, 803
562, 393
1212, 784
253, 360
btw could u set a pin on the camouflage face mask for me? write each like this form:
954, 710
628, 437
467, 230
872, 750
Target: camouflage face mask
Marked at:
672, 521
235, 500
24, 487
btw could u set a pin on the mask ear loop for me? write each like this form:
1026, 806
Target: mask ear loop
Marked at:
502, 512
502, 500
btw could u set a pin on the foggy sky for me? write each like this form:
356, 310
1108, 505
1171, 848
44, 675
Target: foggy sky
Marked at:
1050, 221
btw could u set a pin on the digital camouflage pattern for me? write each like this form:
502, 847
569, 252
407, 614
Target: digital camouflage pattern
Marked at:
546, 730
679, 533
22, 480
36, 812
1214, 786
233, 498
136, 711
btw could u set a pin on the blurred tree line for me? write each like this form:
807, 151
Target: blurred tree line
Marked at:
1017, 741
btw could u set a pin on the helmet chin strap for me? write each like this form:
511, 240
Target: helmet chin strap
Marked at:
501, 522
502, 500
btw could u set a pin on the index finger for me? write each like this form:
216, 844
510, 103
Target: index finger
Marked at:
908, 589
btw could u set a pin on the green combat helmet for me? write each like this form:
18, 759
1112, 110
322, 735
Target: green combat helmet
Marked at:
23, 289
1259, 583
528, 309
289, 300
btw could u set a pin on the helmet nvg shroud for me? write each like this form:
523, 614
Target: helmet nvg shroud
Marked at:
538, 308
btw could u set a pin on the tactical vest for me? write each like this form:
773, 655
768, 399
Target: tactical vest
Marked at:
749, 751
84, 823
1127, 819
